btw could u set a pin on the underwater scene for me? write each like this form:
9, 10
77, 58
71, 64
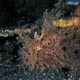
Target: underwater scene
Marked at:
39, 39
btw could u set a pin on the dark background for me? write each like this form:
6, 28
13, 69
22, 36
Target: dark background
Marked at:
12, 11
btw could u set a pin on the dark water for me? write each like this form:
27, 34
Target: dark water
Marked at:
12, 11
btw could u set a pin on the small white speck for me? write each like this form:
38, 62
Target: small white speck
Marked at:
71, 76
20, 79
69, 79
44, 74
